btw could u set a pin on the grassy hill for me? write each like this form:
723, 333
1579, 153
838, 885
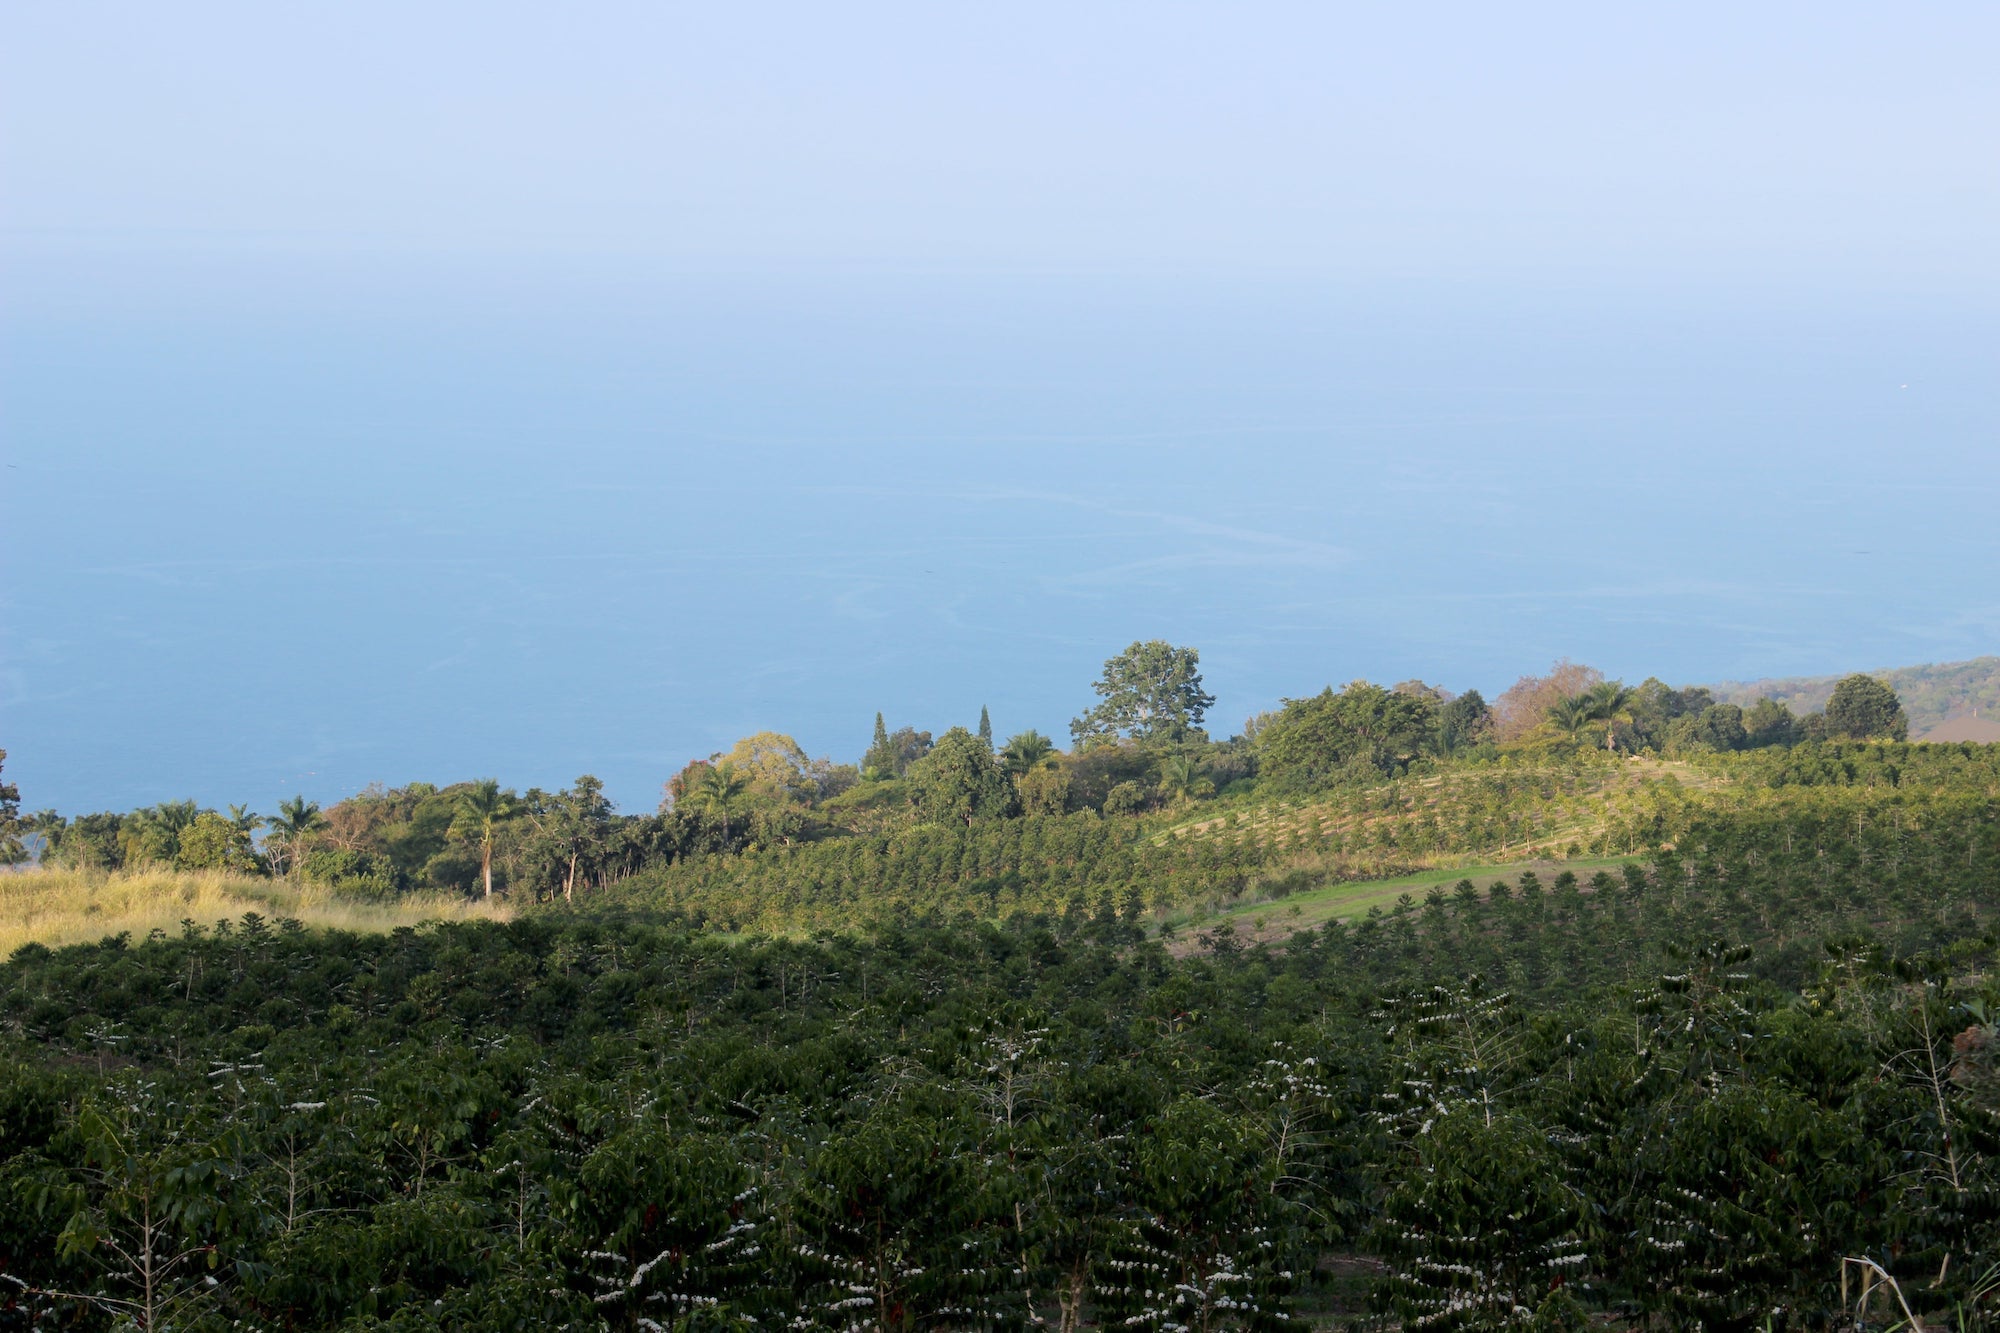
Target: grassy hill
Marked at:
1506, 811
1931, 694
57, 907
1698, 1081
1467, 818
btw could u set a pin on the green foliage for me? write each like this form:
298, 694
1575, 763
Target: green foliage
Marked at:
719, 794
298, 819
1069, 865
1769, 723
939, 1075
1043, 790
1095, 769
1463, 723
1182, 781
1150, 692
12, 851
1558, 1101
212, 842
1127, 798
357, 873
482, 811
571, 839
1026, 752
1572, 715
1202, 1253
891, 753
1483, 1230
92, 842
1863, 708
1364, 729
959, 781
1930, 693
153, 834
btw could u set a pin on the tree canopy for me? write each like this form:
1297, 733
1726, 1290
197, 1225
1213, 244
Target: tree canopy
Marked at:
1864, 708
1525, 704
1150, 692
959, 781
1363, 727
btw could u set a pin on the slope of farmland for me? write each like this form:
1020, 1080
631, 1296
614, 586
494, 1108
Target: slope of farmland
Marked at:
1503, 812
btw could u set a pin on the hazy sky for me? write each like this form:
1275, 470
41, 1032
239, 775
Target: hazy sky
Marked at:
1462, 140
438, 391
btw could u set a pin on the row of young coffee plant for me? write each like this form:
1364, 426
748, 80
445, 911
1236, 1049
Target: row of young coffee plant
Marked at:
1036, 865
1680, 1095
1507, 808
1587, 803
1458, 814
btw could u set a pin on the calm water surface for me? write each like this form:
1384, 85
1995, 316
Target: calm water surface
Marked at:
307, 531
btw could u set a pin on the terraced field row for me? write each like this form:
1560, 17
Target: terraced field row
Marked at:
1504, 813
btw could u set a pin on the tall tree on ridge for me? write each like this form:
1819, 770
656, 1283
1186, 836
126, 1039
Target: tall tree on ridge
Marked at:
582, 826
482, 809
1863, 708
985, 727
1150, 692
295, 820
1609, 702
718, 790
879, 747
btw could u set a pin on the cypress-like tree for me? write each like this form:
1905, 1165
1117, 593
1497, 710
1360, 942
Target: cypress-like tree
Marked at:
985, 727
1863, 708
879, 757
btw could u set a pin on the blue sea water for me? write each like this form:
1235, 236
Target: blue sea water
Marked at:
299, 529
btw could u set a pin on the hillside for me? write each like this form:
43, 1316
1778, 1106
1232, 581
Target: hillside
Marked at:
1932, 694
1671, 1092
1162, 868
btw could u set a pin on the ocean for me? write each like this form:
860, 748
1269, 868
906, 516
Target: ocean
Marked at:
297, 526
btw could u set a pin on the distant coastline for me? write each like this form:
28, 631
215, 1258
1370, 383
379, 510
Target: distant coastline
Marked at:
1946, 701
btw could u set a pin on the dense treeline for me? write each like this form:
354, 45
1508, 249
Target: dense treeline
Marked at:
1680, 1096
1140, 752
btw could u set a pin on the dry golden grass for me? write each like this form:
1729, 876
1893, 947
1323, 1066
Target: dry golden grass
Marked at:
57, 907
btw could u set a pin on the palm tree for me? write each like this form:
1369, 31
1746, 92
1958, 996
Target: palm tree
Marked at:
1181, 780
482, 809
1610, 702
1570, 716
716, 791
172, 816
1028, 750
154, 831
295, 819
244, 820
48, 827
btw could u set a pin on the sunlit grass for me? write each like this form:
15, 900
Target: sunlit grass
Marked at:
1275, 918
56, 907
